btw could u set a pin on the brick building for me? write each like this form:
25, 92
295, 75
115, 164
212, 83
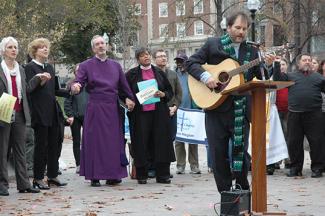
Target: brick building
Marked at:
174, 25
166, 24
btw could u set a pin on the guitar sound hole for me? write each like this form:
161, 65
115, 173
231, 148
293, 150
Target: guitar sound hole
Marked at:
223, 77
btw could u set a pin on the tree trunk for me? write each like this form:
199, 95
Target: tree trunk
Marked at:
218, 4
296, 24
309, 24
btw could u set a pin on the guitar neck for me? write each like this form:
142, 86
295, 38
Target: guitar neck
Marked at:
244, 67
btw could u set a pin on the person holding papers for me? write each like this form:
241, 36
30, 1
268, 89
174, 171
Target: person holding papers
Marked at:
150, 122
12, 133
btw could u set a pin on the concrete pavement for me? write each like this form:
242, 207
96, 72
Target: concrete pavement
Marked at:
187, 195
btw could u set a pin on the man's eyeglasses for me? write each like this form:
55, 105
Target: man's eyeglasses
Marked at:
161, 56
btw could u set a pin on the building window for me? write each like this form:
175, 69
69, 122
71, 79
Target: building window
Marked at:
163, 30
198, 7
137, 9
180, 8
180, 30
163, 9
198, 28
278, 36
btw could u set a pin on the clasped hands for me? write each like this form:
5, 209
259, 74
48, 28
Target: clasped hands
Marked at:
130, 104
75, 88
44, 77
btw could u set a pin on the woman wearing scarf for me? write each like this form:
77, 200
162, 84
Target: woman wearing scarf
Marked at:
12, 135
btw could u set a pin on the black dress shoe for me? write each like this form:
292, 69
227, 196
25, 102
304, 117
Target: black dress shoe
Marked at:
40, 185
294, 173
56, 182
287, 166
270, 170
163, 181
30, 190
4, 192
142, 181
316, 174
113, 181
95, 183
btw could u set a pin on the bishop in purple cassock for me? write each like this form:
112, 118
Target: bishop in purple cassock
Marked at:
103, 149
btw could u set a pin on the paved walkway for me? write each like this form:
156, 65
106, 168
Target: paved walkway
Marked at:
187, 195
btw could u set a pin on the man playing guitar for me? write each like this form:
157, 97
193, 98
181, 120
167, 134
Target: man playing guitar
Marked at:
229, 121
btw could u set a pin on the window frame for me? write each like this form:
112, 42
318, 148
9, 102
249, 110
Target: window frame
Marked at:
160, 6
195, 6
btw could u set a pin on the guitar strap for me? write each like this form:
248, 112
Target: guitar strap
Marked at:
239, 111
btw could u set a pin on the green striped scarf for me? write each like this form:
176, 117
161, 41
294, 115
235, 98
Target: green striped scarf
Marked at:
239, 110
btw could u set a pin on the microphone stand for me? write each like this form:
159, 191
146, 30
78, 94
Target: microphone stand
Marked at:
260, 65
257, 46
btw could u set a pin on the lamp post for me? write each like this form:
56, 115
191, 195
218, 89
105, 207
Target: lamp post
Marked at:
253, 6
223, 24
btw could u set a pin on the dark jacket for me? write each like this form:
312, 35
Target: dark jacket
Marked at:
305, 94
164, 151
134, 76
75, 105
34, 81
212, 53
42, 98
177, 89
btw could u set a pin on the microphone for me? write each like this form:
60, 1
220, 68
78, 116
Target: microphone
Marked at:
253, 43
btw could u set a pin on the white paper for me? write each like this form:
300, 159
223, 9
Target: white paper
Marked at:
146, 94
7, 103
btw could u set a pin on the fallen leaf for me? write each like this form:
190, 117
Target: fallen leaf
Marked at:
99, 202
168, 207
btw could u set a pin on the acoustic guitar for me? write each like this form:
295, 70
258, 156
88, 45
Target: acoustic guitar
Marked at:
228, 73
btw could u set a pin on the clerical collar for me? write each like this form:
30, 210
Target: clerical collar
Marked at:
100, 59
39, 63
145, 68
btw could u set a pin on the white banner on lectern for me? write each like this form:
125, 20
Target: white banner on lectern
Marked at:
191, 126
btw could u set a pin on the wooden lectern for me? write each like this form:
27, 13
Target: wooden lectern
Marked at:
258, 89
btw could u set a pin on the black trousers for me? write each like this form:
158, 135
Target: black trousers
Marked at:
309, 124
219, 130
76, 137
162, 171
46, 151
173, 127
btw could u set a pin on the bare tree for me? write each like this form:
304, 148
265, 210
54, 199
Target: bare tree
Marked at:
126, 36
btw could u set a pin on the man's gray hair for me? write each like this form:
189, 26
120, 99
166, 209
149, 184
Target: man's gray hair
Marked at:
4, 43
94, 38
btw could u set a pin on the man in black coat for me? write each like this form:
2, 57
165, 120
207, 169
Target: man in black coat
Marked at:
220, 122
304, 105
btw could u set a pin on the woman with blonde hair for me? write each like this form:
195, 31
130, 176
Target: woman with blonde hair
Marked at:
12, 134
44, 115
314, 63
